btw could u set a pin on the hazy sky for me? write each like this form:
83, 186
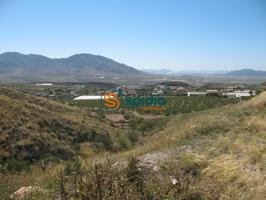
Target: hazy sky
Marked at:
173, 34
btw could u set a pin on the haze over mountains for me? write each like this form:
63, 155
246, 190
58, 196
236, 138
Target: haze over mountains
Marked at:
236, 73
16, 67
247, 73
80, 67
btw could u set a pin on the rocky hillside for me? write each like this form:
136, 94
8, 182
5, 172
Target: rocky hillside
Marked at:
33, 128
212, 154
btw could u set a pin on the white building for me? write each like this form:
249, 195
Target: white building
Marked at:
243, 93
88, 98
196, 94
239, 93
92, 97
160, 92
44, 84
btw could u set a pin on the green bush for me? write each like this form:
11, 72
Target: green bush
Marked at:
73, 167
15, 165
122, 143
133, 137
134, 175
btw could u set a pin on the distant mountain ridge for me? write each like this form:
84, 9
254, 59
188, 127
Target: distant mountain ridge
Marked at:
158, 71
247, 73
183, 73
235, 73
80, 67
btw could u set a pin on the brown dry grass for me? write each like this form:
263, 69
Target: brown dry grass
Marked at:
232, 141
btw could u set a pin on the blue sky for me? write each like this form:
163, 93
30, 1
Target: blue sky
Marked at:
174, 34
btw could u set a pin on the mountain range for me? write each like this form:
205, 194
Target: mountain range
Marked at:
250, 73
247, 73
16, 67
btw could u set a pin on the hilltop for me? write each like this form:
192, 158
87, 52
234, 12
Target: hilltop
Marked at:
16, 67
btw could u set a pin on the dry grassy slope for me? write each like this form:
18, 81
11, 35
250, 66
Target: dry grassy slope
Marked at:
230, 139
33, 128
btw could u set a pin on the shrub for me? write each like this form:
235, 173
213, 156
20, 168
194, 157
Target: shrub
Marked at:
133, 137
16, 165
134, 175
73, 167
122, 143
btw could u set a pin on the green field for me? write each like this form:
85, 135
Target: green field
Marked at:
181, 104
174, 104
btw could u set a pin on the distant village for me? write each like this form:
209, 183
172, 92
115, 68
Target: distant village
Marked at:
187, 91
95, 90
174, 89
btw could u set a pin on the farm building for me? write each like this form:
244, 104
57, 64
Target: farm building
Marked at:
196, 94
88, 97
